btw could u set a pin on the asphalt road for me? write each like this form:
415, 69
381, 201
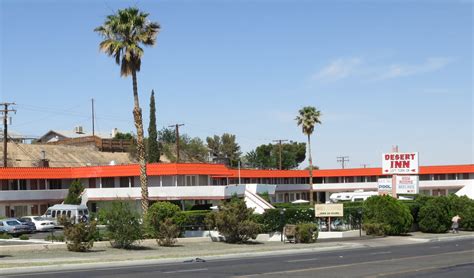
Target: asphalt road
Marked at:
436, 259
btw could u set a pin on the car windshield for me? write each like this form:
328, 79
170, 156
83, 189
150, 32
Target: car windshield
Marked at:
13, 223
38, 218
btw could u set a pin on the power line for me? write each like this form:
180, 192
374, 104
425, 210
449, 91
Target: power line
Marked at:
343, 160
280, 147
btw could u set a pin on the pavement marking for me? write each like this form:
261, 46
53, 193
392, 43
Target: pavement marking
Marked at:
435, 247
186, 270
303, 260
409, 271
348, 265
380, 253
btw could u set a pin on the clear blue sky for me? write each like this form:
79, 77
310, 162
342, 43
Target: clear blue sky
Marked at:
381, 73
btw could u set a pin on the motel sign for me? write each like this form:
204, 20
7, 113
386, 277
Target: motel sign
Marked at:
400, 163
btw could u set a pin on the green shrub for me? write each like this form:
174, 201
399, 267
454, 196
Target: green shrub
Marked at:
234, 221
272, 220
74, 193
158, 213
306, 233
123, 228
52, 238
167, 233
434, 215
24, 237
194, 218
394, 216
5, 236
80, 236
374, 229
464, 207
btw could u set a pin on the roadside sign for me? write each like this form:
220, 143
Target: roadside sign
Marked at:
329, 210
400, 163
406, 184
385, 186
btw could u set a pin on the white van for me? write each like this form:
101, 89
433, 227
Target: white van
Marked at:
76, 213
352, 196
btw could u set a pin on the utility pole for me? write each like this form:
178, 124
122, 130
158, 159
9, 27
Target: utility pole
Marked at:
343, 160
5, 129
364, 165
279, 143
93, 120
176, 126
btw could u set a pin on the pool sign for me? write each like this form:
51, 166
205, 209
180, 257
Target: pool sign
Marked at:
385, 186
400, 163
406, 184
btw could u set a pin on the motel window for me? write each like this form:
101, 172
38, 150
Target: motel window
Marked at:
425, 177
124, 181
22, 184
108, 183
425, 192
191, 180
349, 179
451, 176
372, 179
14, 184
464, 176
54, 184
318, 180
332, 180
359, 179
438, 177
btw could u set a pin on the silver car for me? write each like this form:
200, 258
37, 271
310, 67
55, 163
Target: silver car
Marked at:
13, 227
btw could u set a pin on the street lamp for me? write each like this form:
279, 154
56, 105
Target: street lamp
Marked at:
282, 216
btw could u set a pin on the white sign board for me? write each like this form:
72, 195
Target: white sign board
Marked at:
385, 186
400, 163
329, 210
406, 184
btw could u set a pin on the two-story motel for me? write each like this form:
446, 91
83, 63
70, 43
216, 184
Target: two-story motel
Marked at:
26, 191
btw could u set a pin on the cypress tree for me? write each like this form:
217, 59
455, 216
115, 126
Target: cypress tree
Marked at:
153, 148
74, 194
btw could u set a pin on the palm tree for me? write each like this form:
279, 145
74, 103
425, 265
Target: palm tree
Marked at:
308, 117
124, 33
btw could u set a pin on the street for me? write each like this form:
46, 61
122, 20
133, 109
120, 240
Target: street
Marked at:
453, 258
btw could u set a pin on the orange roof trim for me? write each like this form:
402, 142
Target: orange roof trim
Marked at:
214, 170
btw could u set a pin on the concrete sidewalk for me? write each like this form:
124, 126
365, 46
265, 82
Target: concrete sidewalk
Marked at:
39, 257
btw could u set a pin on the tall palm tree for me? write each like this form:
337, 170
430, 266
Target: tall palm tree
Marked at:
308, 118
124, 33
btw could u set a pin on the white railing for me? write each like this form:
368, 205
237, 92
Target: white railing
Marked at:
33, 195
165, 193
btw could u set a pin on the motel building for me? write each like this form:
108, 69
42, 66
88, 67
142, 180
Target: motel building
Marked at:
30, 191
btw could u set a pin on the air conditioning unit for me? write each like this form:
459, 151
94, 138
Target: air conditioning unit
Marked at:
78, 130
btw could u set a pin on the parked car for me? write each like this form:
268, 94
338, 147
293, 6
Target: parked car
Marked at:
13, 227
31, 226
77, 213
41, 224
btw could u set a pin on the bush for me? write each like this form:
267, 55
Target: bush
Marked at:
5, 236
272, 220
434, 215
464, 207
167, 233
52, 238
160, 212
234, 221
80, 236
393, 216
24, 237
374, 229
306, 233
194, 219
123, 227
